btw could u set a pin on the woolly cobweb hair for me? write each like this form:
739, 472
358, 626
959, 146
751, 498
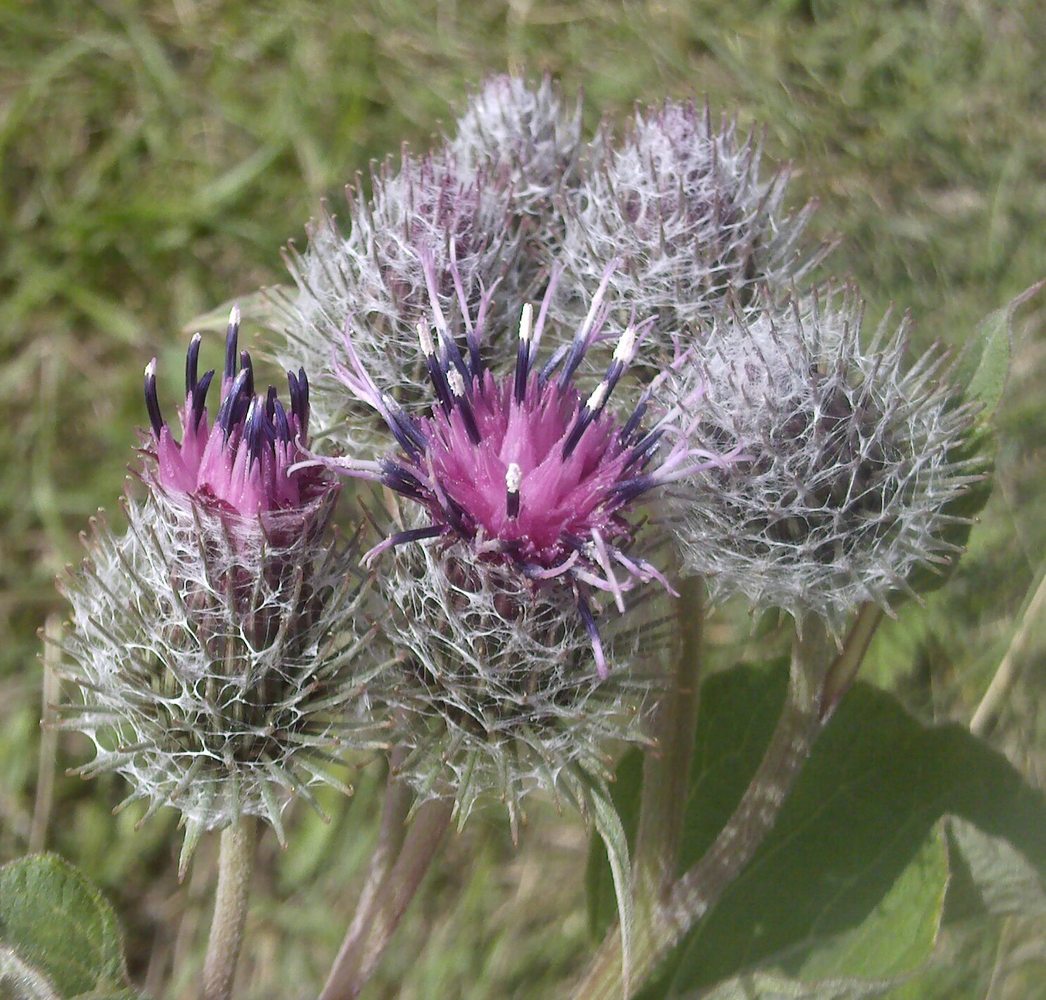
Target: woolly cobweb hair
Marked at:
370, 277
853, 461
683, 203
526, 140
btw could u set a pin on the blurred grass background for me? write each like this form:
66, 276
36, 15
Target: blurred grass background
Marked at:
154, 157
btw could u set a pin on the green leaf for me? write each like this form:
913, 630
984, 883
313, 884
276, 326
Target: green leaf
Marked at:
900, 932
985, 369
854, 856
608, 826
992, 347
602, 903
60, 924
20, 981
992, 878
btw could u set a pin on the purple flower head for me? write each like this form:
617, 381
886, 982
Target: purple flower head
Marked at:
371, 277
682, 202
524, 467
525, 137
243, 464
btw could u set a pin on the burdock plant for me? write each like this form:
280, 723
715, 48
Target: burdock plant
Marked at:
679, 415
216, 642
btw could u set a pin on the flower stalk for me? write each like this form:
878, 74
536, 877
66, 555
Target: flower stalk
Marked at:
368, 938
666, 768
396, 808
697, 891
235, 863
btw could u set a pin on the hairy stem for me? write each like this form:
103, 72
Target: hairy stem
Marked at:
359, 957
666, 768
235, 861
697, 891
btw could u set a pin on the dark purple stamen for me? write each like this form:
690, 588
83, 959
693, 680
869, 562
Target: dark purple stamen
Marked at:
578, 348
644, 449
614, 372
523, 354
439, 382
414, 535
581, 422
152, 403
292, 386
254, 430
192, 359
633, 422
465, 407
199, 397
234, 405
270, 404
629, 489
299, 392
553, 363
452, 354
283, 428
475, 359
402, 480
231, 337
405, 429
247, 366
588, 413
593, 632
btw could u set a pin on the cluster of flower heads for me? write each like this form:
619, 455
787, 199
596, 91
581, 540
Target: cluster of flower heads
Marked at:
480, 206
676, 406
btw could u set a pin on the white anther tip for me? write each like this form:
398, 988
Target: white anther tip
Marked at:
425, 338
526, 322
596, 400
513, 477
626, 345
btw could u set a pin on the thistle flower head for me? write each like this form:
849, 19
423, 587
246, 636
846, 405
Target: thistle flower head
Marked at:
524, 468
242, 464
521, 136
430, 209
217, 643
682, 203
851, 462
